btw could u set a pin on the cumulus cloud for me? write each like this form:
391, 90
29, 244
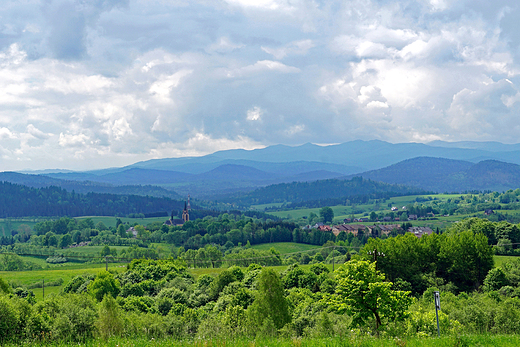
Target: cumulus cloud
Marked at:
107, 83
6, 133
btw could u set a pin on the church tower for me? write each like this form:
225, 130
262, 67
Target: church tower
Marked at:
185, 214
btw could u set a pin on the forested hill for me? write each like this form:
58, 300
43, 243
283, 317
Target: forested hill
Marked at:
20, 201
447, 175
298, 192
40, 181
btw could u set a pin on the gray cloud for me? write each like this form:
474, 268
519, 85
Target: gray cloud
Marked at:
88, 84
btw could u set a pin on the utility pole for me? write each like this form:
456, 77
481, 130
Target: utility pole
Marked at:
333, 249
376, 254
437, 297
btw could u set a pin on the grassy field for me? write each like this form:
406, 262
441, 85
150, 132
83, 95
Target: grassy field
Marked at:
262, 207
88, 251
501, 259
50, 275
285, 247
342, 211
14, 224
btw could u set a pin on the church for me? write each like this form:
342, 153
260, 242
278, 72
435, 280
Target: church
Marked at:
185, 216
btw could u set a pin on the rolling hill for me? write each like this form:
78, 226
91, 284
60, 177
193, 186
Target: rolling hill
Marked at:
83, 187
445, 175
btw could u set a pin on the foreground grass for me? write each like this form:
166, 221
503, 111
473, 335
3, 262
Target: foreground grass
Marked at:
449, 341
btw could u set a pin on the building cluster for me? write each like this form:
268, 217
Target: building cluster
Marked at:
374, 230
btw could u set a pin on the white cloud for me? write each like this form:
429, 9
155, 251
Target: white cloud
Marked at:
162, 88
73, 140
6, 134
264, 4
254, 114
294, 48
121, 81
295, 129
223, 45
37, 133
13, 56
200, 143
260, 66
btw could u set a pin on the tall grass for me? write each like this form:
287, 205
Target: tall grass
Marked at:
447, 341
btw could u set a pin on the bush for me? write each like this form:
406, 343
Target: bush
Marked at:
109, 322
9, 320
73, 317
105, 283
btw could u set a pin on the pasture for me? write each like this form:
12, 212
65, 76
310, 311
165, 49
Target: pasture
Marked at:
285, 247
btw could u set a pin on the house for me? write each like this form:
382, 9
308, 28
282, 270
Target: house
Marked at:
489, 212
347, 220
386, 229
420, 231
132, 230
363, 220
325, 228
412, 217
387, 219
350, 228
394, 208
374, 230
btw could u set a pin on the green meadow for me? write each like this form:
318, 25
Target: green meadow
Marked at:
285, 247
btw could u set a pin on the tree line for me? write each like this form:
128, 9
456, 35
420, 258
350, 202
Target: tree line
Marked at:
21, 201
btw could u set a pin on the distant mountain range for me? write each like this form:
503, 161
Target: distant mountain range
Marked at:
439, 166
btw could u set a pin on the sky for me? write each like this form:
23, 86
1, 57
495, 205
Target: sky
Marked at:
89, 84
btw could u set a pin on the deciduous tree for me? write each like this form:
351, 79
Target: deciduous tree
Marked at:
362, 292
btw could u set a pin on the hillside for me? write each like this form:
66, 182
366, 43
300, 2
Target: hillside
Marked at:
20, 201
85, 186
424, 172
445, 175
493, 175
223, 179
297, 192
